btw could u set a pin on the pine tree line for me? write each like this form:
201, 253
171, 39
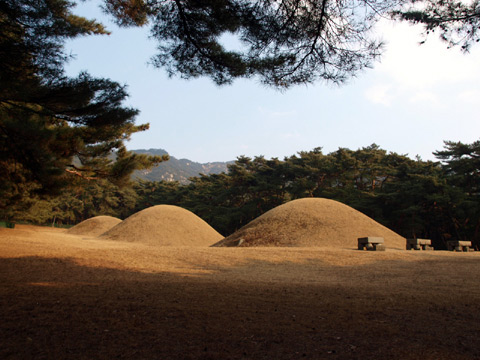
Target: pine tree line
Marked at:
425, 199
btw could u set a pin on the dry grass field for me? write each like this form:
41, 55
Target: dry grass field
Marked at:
68, 296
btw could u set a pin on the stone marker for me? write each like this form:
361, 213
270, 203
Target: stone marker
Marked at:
371, 243
419, 244
459, 245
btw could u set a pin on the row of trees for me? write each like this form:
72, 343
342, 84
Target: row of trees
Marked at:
55, 130
437, 200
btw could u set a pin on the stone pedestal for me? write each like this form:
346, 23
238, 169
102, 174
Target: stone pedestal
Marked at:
371, 243
419, 244
459, 245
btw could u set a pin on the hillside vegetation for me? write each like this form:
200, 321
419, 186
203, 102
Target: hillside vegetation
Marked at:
414, 198
174, 169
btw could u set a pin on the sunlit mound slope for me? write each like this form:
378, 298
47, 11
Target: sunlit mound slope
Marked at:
311, 222
164, 225
94, 226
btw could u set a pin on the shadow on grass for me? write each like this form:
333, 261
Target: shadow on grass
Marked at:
53, 308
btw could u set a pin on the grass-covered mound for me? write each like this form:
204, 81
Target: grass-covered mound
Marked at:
94, 226
164, 225
311, 222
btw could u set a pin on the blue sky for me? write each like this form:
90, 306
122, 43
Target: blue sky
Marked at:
411, 101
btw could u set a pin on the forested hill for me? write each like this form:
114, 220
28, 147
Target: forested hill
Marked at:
177, 169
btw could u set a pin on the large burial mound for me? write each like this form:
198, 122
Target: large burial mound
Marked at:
311, 222
94, 226
164, 225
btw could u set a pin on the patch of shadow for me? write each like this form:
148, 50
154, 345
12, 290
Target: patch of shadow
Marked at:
56, 308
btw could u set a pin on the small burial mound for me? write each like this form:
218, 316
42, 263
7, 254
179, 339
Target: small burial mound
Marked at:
164, 225
94, 226
311, 222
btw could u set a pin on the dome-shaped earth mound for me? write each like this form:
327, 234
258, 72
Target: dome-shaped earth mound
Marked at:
94, 226
311, 222
165, 225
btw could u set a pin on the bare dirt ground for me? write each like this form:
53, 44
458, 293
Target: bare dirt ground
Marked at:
68, 296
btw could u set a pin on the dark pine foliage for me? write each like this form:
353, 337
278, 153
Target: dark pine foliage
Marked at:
52, 127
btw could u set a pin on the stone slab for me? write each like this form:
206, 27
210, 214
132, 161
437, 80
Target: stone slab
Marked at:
459, 245
371, 240
419, 241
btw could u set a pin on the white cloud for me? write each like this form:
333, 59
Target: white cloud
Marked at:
379, 94
425, 97
417, 66
470, 96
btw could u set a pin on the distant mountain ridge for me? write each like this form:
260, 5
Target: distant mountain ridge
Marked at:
177, 169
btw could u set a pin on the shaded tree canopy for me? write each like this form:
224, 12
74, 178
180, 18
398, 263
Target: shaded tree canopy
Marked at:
462, 163
284, 42
53, 126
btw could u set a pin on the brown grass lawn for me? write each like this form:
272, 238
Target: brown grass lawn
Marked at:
68, 296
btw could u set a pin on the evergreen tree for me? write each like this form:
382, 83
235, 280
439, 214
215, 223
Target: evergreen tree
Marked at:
152, 193
80, 201
416, 202
461, 164
282, 42
457, 22
309, 174
53, 127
